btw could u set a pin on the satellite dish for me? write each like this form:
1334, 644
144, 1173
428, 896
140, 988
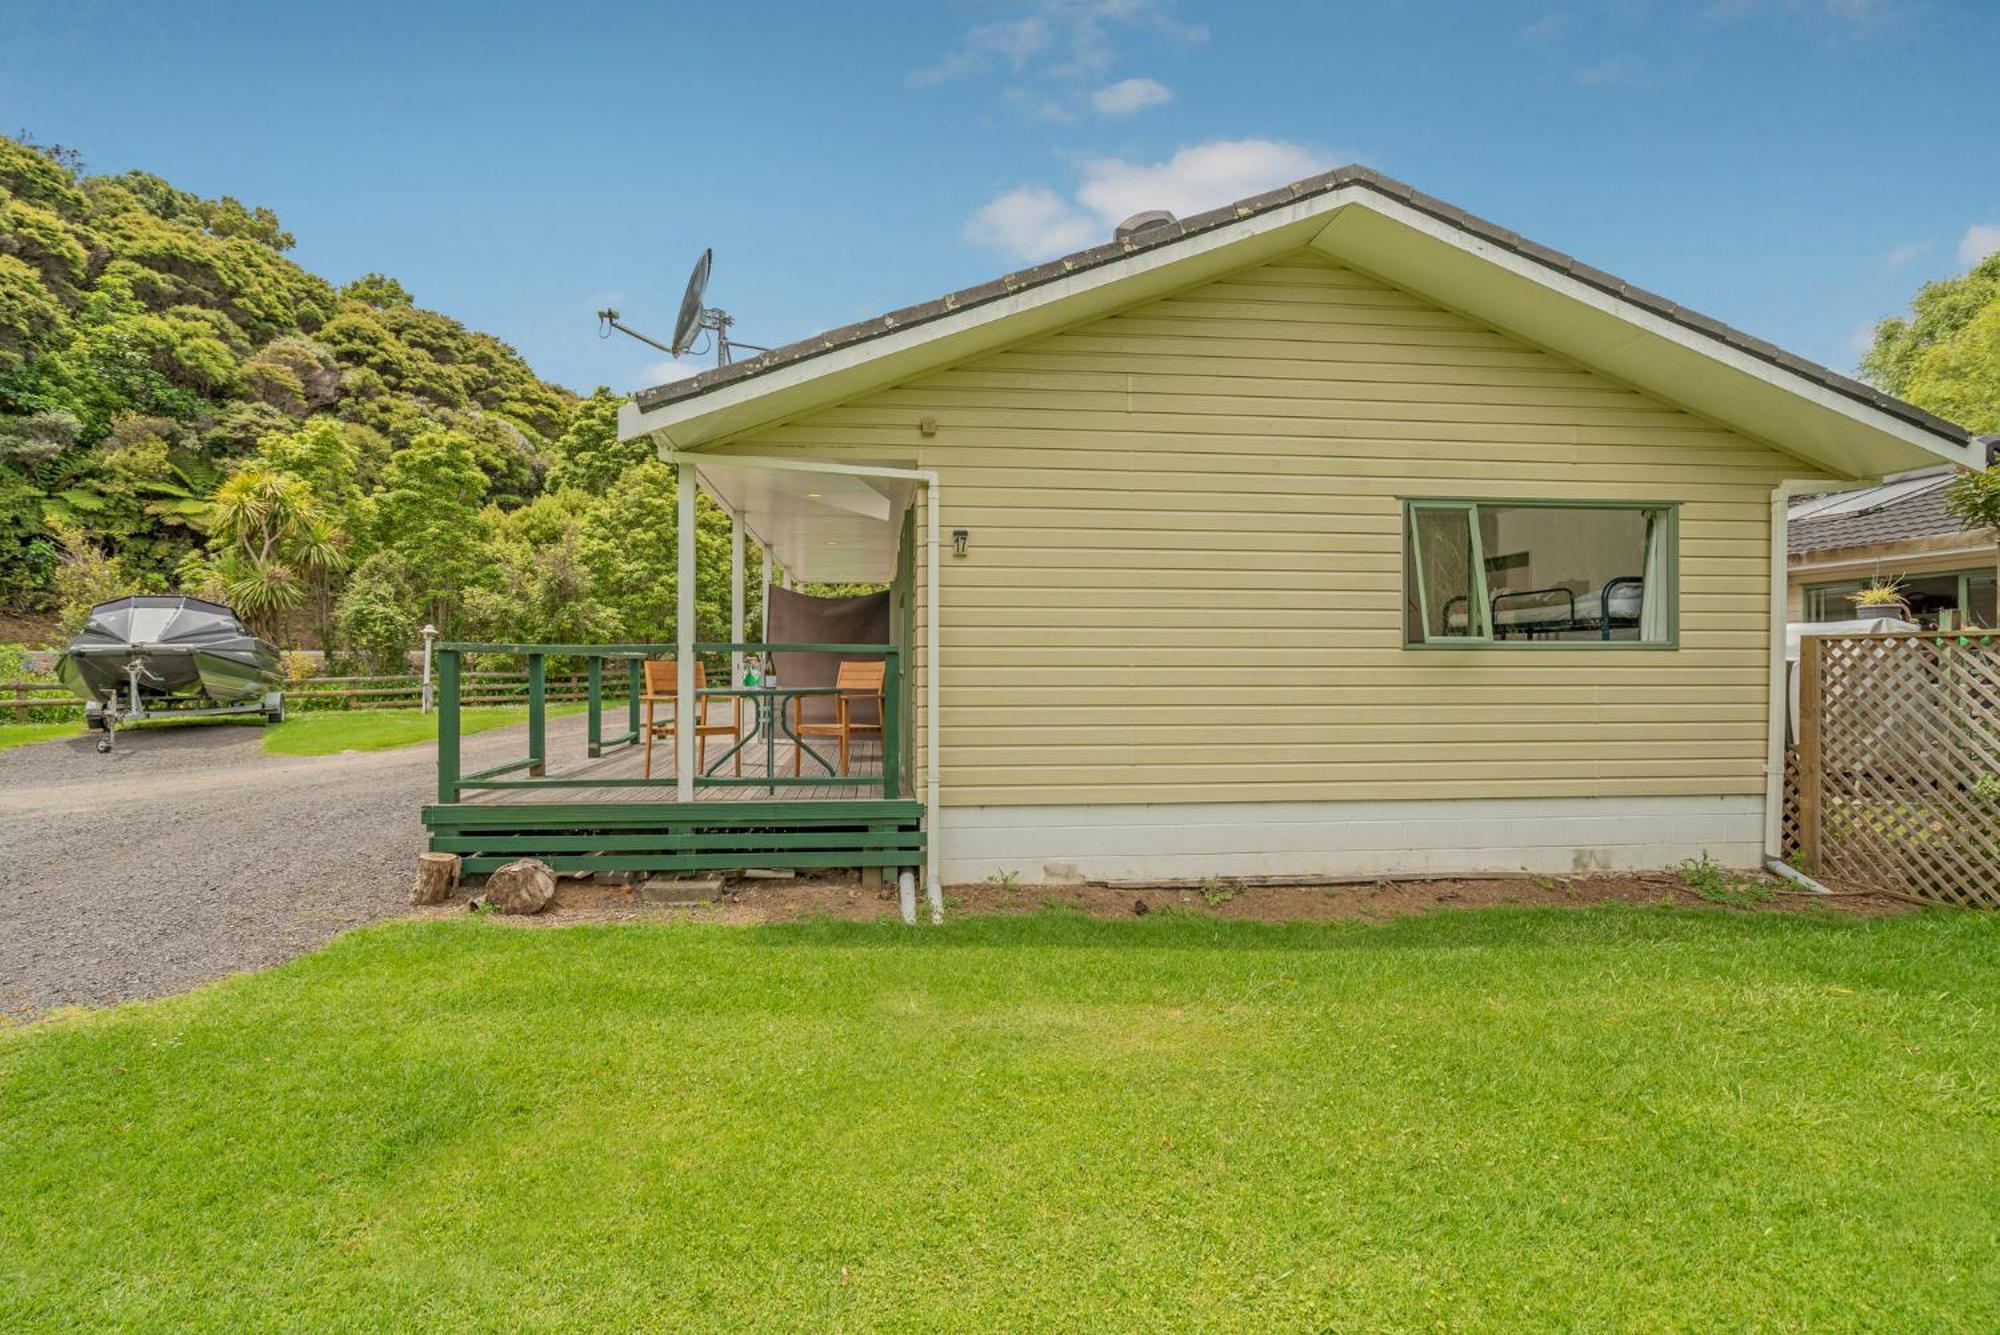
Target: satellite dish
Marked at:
688, 326
694, 320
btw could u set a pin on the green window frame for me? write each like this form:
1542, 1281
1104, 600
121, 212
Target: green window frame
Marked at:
1479, 634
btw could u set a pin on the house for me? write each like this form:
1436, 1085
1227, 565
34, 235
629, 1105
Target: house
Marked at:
1332, 532
1839, 541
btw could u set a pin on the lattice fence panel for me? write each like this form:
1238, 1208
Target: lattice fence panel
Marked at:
1791, 834
1899, 763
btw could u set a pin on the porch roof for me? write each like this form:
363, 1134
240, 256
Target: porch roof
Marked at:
822, 527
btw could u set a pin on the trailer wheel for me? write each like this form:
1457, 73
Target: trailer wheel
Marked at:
104, 746
274, 708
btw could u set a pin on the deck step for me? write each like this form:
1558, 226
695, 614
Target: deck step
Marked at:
668, 837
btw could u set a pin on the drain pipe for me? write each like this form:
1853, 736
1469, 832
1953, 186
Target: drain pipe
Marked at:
1779, 690
1795, 876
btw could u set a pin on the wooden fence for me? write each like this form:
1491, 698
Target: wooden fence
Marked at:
1897, 769
26, 701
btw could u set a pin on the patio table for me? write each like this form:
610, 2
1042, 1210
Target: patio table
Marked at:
768, 720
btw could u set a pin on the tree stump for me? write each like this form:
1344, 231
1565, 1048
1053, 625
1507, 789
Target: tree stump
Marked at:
437, 877
526, 886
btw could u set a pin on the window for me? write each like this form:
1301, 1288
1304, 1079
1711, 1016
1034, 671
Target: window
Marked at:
1538, 572
1968, 592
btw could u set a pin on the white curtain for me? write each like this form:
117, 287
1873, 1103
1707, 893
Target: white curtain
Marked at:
1653, 597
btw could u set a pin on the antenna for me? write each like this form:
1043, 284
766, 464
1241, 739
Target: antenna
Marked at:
694, 319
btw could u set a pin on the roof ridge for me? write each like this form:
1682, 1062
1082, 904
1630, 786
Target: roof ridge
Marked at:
1352, 174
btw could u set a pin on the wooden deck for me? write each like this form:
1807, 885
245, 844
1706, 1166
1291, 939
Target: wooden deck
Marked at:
626, 762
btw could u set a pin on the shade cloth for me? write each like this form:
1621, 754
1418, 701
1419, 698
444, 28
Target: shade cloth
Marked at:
801, 618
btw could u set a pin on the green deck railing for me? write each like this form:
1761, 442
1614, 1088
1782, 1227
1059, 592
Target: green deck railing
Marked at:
452, 782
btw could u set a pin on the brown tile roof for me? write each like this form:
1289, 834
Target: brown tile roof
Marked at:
1918, 515
1099, 255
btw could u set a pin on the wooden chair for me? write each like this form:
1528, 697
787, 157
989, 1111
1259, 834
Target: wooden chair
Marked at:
660, 674
856, 681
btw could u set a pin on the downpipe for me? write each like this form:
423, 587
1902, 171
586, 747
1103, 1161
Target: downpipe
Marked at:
1795, 876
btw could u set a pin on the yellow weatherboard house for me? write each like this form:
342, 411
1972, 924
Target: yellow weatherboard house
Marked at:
1331, 532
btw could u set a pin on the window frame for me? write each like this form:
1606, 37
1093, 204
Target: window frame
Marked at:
1470, 505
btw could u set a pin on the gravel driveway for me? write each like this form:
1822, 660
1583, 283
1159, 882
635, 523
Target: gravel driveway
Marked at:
188, 853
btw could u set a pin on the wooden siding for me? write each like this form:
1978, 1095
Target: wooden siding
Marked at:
1185, 584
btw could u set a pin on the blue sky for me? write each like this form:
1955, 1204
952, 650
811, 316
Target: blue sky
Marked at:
1794, 167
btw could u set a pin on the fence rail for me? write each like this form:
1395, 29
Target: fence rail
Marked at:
22, 701
1898, 764
23, 697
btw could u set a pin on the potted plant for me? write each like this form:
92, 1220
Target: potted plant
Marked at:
1880, 598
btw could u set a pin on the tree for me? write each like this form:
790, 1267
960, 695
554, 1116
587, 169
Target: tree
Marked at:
27, 549
1946, 358
589, 456
373, 623
85, 575
538, 588
272, 546
630, 545
428, 513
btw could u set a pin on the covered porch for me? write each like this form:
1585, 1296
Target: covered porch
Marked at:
761, 783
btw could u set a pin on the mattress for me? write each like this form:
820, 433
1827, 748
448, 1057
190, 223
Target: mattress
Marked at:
1532, 611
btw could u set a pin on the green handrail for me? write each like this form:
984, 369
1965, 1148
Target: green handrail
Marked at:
452, 779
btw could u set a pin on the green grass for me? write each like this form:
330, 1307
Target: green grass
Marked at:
315, 734
20, 734
333, 731
1610, 1118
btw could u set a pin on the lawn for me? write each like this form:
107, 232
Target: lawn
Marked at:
333, 731
20, 734
316, 734
1628, 1118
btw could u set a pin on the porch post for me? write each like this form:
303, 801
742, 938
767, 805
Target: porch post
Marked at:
447, 705
765, 636
735, 599
685, 718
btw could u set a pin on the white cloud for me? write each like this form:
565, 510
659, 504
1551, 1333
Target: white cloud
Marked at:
1194, 179
1034, 222
666, 372
1903, 254
1030, 222
1059, 39
1979, 241
1128, 97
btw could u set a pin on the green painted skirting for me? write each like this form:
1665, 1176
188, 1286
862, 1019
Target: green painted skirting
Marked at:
666, 836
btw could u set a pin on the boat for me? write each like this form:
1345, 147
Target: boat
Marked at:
149, 655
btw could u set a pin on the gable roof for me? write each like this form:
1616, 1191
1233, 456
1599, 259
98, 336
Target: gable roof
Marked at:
1893, 512
1377, 225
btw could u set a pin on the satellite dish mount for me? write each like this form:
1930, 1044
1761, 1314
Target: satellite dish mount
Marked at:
694, 320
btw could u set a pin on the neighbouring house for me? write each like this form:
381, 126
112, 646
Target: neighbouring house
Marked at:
1333, 532
1842, 540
